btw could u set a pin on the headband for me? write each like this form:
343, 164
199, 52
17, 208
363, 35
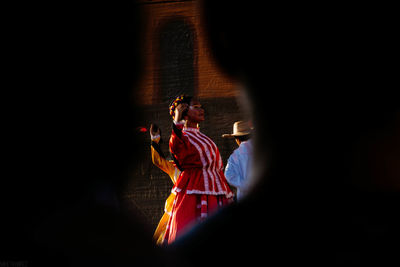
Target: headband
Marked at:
180, 99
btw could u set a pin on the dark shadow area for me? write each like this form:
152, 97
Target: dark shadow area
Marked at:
176, 59
322, 81
70, 142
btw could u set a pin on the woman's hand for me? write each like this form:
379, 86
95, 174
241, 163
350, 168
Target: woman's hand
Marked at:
179, 111
154, 130
155, 133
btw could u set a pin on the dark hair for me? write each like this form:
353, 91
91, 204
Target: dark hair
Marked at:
243, 138
179, 100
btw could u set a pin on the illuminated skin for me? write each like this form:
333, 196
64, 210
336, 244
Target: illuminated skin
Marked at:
194, 115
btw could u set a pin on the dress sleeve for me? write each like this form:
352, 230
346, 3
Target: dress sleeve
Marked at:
158, 158
178, 144
232, 172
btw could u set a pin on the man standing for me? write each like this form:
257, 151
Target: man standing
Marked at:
238, 169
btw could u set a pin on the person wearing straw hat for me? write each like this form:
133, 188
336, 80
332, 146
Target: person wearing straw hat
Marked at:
238, 168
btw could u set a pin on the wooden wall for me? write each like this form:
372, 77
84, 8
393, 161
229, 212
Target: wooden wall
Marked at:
209, 81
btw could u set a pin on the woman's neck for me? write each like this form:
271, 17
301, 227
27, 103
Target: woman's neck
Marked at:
191, 124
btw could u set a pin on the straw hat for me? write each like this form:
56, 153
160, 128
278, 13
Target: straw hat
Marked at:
240, 128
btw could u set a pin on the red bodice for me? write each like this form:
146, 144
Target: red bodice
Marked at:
199, 159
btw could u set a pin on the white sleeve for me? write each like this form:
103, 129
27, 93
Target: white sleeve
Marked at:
232, 171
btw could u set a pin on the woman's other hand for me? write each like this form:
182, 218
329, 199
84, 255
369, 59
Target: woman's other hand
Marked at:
154, 132
179, 111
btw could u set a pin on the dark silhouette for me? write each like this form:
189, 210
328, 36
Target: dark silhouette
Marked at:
70, 142
327, 127
321, 83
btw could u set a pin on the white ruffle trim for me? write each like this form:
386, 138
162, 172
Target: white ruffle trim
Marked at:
199, 192
154, 137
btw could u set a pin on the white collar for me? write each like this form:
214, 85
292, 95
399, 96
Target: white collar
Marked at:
191, 129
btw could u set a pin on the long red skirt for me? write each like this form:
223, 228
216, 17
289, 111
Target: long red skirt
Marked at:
189, 209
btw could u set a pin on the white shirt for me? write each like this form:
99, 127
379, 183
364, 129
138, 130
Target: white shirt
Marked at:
238, 168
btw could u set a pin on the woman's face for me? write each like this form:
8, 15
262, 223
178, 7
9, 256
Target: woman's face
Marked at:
195, 112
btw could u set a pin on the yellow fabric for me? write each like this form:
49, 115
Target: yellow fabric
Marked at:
165, 165
162, 225
173, 172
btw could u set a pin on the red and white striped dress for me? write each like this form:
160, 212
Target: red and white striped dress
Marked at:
201, 187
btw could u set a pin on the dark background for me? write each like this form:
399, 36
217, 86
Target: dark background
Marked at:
70, 148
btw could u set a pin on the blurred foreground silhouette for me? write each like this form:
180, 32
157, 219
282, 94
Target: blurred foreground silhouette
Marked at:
70, 142
321, 85
321, 82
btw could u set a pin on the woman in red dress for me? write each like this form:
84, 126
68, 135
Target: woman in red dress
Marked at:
201, 188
